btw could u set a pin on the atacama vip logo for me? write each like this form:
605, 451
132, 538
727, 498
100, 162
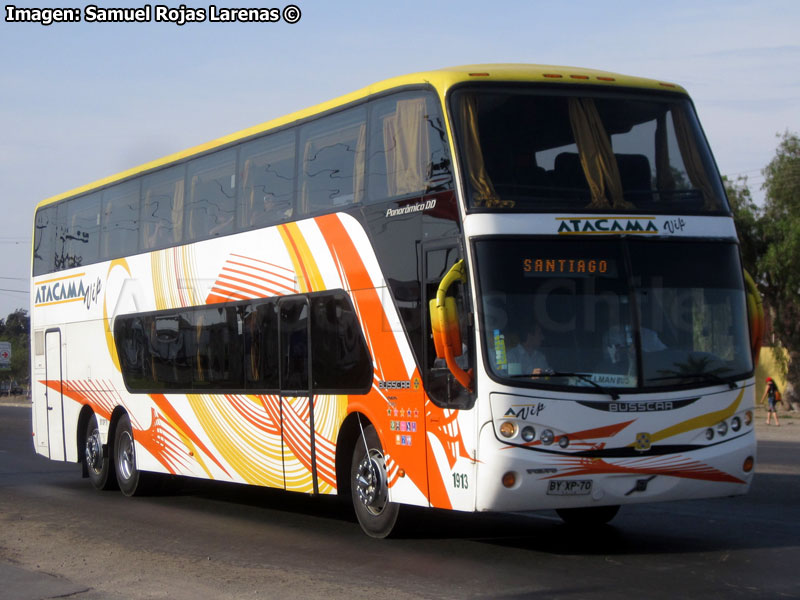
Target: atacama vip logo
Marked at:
71, 288
607, 225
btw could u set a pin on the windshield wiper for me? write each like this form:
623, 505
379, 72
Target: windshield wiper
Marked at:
582, 376
708, 376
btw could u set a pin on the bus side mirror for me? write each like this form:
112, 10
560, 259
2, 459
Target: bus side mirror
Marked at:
446, 328
755, 314
445, 325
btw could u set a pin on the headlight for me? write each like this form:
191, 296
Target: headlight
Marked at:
547, 437
736, 424
722, 428
528, 433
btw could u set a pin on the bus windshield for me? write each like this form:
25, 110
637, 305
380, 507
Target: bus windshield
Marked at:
535, 150
619, 313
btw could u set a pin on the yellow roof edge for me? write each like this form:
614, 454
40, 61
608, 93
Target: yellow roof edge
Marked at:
441, 80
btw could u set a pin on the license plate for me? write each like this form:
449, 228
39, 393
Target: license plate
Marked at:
572, 487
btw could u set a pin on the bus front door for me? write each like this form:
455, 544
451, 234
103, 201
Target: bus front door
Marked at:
297, 400
450, 388
54, 397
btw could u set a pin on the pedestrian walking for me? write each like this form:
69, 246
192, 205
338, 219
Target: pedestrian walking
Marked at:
771, 394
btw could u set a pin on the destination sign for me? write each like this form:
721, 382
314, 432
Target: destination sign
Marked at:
575, 267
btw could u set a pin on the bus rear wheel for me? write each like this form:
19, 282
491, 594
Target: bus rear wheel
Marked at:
130, 479
588, 515
99, 466
369, 486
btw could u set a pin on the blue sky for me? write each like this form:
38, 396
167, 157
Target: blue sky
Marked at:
80, 101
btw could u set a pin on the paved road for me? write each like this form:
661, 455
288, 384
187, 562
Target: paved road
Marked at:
60, 538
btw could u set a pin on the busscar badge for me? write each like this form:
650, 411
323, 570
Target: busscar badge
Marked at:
643, 443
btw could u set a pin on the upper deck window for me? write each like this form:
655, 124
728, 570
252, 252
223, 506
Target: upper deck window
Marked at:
554, 150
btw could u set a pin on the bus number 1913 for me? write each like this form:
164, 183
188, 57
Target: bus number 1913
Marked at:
460, 481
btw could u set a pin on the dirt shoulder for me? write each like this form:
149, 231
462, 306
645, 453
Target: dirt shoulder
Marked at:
789, 430
18, 400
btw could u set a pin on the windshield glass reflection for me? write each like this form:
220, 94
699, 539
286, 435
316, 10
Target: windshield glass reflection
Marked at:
621, 314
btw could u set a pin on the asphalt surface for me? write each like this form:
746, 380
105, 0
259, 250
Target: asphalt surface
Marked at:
59, 538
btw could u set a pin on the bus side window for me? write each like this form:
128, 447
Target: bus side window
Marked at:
267, 180
162, 208
332, 158
131, 337
211, 205
340, 359
294, 366
260, 336
120, 230
171, 348
406, 150
44, 241
82, 231
217, 351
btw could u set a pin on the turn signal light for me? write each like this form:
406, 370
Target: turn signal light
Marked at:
748, 464
509, 479
508, 429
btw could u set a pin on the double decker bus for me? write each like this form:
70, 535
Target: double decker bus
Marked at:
484, 288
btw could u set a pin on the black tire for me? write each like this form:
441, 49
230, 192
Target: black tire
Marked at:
130, 479
99, 466
589, 515
369, 488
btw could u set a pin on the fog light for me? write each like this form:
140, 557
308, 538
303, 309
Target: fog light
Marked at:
748, 464
508, 429
528, 433
736, 424
722, 428
748, 417
509, 479
563, 441
547, 437
709, 434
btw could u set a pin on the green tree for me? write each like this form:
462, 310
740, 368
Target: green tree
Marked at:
770, 241
779, 264
748, 218
15, 328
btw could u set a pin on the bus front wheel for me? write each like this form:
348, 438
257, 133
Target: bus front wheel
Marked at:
99, 466
369, 486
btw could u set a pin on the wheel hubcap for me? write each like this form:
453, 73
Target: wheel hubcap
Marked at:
125, 458
371, 485
94, 451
